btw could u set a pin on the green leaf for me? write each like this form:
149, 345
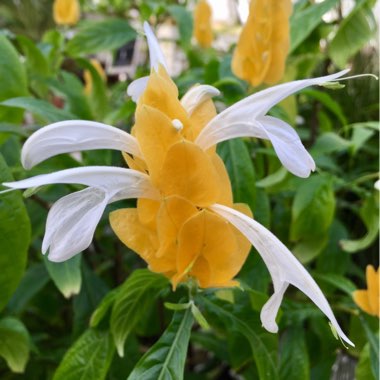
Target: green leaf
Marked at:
303, 22
66, 275
71, 88
133, 300
14, 344
184, 21
354, 32
96, 36
88, 359
273, 179
328, 102
98, 96
294, 359
39, 107
13, 128
328, 143
241, 321
360, 136
35, 60
240, 169
309, 248
374, 349
369, 213
103, 308
337, 281
13, 80
165, 360
35, 278
313, 208
14, 237
363, 368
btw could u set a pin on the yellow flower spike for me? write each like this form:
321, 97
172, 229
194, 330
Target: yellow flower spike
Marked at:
88, 85
66, 12
263, 44
188, 172
368, 300
162, 93
147, 210
207, 250
202, 24
156, 134
128, 228
173, 213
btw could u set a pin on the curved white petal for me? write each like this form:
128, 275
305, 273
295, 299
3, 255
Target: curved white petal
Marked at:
71, 223
117, 181
75, 135
197, 95
137, 87
155, 53
258, 104
283, 266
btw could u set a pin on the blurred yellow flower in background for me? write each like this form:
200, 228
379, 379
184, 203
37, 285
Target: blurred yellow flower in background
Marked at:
88, 82
263, 44
202, 24
368, 300
66, 12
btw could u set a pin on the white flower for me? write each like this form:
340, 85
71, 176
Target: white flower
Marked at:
72, 219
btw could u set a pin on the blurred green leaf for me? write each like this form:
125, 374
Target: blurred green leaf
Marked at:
369, 213
166, 358
12, 128
363, 369
294, 359
66, 275
273, 179
35, 61
98, 96
239, 320
360, 135
95, 36
88, 359
39, 107
14, 344
313, 208
328, 101
374, 349
71, 88
184, 21
13, 80
337, 281
354, 32
35, 278
133, 300
14, 237
236, 157
303, 22
328, 143
309, 248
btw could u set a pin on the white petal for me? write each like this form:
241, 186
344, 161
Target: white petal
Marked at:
155, 53
71, 223
283, 266
137, 87
258, 104
118, 181
75, 135
196, 96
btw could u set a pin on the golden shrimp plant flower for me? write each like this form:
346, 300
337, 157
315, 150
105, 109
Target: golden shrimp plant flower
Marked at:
263, 45
66, 12
202, 24
185, 223
368, 300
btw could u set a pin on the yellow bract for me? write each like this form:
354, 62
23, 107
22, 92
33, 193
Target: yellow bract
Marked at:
368, 300
263, 45
66, 12
202, 24
176, 235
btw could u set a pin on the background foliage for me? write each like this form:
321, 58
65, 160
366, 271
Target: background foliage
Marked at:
99, 315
